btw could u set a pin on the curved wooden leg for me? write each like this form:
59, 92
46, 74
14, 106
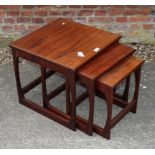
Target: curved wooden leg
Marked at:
44, 90
137, 74
90, 87
126, 90
17, 76
109, 99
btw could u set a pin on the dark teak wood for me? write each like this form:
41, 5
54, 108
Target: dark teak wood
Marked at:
59, 42
104, 86
55, 46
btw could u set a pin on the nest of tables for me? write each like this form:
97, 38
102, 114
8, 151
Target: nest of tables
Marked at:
83, 54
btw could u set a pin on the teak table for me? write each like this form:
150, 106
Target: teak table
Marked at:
67, 47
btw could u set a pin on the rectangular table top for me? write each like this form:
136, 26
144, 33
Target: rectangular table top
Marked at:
61, 40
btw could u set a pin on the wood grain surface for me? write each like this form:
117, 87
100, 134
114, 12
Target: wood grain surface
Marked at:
60, 40
105, 61
120, 71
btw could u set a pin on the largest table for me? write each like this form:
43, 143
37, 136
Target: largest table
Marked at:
56, 46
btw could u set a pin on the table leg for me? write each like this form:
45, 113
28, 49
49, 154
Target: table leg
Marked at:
126, 90
68, 101
17, 76
137, 74
90, 88
72, 85
44, 90
109, 99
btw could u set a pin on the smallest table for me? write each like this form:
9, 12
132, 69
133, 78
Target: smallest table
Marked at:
56, 46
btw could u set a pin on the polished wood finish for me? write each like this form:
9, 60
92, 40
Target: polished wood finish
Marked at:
114, 76
105, 61
60, 41
51, 113
55, 46
105, 86
102, 63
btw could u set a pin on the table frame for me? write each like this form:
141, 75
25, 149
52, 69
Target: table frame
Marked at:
68, 119
71, 120
109, 95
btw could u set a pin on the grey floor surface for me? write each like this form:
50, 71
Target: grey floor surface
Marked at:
21, 127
